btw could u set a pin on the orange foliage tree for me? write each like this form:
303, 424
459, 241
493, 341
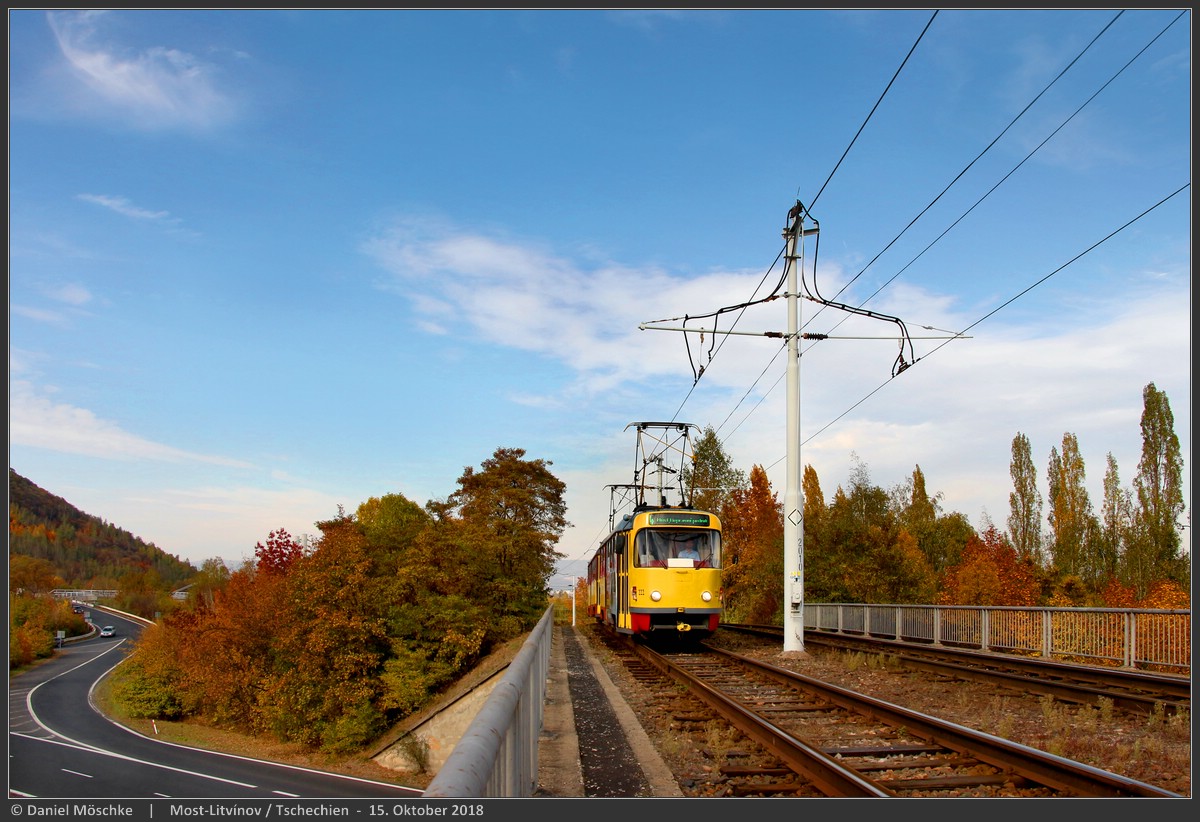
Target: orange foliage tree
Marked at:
1167, 594
329, 645
1116, 594
990, 573
752, 526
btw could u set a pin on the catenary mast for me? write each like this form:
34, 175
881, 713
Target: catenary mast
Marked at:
793, 498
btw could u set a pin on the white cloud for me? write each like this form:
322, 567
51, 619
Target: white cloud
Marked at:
37, 421
158, 87
39, 314
72, 294
1082, 370
124, 207
530, 299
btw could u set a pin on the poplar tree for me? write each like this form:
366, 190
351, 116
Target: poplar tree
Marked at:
1159, 490
1025, 502
1070, 508
816, 514
820, 561
918, 513
1114, 519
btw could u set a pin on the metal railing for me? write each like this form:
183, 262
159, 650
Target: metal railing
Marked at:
498, 753
1127, 637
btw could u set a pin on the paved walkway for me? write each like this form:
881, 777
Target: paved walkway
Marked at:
592, 744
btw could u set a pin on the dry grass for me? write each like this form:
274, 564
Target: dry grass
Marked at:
1154, 749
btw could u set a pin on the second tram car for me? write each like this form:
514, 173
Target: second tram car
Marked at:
658, 573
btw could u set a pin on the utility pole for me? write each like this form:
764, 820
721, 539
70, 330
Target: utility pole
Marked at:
793, 497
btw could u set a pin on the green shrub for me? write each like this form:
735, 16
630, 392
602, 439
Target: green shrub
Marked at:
144, 695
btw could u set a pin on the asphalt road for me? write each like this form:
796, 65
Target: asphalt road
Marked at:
62, 747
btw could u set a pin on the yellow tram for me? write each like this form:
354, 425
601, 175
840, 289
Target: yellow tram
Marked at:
659, 571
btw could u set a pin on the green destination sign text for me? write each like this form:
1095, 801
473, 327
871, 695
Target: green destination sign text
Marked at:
676, 518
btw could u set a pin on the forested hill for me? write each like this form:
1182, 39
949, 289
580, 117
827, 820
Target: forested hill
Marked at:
85, 550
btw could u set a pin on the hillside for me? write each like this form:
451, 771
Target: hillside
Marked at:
84, 549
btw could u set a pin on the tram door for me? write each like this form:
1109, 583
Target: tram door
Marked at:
622, 591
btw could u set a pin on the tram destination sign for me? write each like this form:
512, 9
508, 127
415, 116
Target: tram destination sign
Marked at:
679, 518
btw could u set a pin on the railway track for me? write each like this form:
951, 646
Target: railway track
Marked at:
1138, 692
790, 735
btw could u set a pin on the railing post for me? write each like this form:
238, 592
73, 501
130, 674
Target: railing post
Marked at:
1130, 639
1047, 633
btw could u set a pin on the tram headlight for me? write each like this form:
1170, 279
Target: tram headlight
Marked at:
706, 596
655, 596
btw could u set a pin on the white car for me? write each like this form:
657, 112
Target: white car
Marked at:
107, 630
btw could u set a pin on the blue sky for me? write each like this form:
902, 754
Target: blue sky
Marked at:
266, 263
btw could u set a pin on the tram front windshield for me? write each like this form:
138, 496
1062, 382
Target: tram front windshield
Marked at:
657, 545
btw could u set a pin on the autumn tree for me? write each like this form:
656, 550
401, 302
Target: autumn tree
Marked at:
392, 522
1071, 518
939, 537
212, 577
712, 477
34, 620
515, 514
141, 591
32, 575
901, 571
225, 652
323, 686
818, 554
1118, 595
992, 573
279, 554
151, 682
442, 616
752, 523
1167, 594
1116, 521
860, 521
826, 560
1025, 501
915, 509
951, 533
1158, 485
328, 642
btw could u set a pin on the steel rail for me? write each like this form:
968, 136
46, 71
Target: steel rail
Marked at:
1043, 768
1136, 691
830, 776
